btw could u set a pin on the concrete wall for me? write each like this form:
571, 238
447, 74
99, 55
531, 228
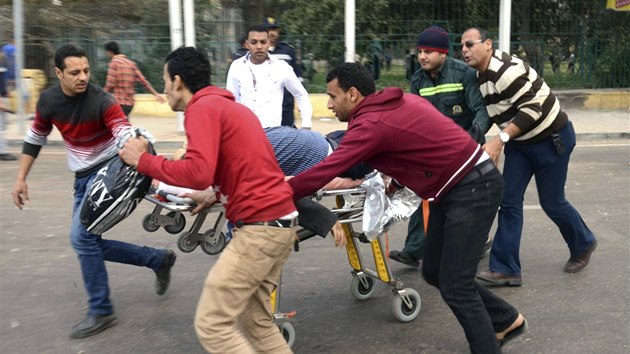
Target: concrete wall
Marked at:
576, 99
146, 105
33, 81
605, 99
613, 99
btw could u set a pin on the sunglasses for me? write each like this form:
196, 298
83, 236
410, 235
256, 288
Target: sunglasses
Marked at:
470, 44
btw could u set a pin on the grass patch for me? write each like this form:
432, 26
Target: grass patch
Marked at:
396, 77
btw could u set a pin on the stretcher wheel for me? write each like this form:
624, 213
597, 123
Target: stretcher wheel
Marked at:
185, 243
359, 290
180, 223
404, 313
215, 247
148, 225
288, 332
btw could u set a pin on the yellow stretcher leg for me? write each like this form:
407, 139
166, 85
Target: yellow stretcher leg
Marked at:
273, 301
379, 260
353, 255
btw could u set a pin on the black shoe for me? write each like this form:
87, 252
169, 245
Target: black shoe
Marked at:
405, 258
92, 325
7, 157
513, 333
163, 276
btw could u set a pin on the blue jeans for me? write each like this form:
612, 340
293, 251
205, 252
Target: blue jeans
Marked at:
550, 170
456, 234
93, 251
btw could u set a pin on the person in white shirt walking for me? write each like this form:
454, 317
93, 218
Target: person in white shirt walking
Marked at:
258, 80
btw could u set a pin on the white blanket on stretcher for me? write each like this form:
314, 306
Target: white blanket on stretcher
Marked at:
174, 189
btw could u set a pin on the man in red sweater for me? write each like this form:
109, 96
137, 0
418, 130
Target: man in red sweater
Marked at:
228, 155
407, 138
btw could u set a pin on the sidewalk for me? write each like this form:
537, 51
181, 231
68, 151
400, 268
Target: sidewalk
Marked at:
589, 125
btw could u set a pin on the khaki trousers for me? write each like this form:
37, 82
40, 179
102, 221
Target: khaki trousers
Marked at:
238, 290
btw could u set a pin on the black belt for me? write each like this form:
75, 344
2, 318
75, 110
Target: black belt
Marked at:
286, 223
478, 171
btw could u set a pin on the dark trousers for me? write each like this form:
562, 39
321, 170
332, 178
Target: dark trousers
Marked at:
126, 109
457, 230
288, 105
414, 243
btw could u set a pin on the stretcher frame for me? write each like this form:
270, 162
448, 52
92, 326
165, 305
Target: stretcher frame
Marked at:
174, 222
406, 304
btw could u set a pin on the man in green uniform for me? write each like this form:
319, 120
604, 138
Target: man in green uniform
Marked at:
451, 86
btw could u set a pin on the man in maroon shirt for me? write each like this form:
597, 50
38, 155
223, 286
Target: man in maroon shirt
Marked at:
228, 155
407, 138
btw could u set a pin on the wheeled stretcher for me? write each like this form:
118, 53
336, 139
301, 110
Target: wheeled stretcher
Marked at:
349, 210
174, 222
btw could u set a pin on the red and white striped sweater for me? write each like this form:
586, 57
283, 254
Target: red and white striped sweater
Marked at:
89, 123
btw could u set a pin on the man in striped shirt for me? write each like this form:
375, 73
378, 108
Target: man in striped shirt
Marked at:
122, 75
538, 139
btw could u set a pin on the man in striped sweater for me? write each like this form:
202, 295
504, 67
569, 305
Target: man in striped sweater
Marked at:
91, 123
538, 138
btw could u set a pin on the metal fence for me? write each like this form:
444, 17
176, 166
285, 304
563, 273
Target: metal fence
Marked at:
589, 52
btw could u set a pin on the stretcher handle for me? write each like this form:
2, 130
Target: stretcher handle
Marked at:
180, 200
321, 193
174, 198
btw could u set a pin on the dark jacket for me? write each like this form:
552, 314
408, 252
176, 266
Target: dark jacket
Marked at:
456, 94
287, 53
403, 136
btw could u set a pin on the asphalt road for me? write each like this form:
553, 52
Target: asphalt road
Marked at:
42, 297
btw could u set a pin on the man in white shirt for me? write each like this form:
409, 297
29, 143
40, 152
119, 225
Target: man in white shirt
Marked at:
258, 80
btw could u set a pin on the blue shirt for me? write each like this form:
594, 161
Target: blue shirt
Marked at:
297, 150
9, 52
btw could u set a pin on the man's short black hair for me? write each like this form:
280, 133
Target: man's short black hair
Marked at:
242, 39
112, 47
257, 28
192, 66
68, 50
353, 75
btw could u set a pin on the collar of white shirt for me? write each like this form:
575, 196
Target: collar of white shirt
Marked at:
246, 58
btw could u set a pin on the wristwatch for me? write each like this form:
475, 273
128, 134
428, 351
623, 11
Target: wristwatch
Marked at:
504, 137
